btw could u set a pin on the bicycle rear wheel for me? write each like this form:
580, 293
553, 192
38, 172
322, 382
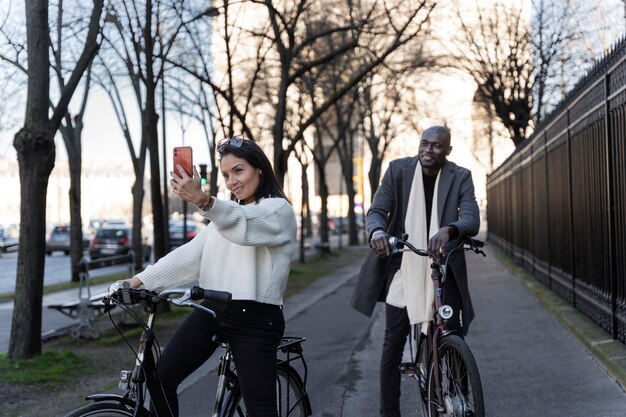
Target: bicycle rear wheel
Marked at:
106, 409
460, 381
289, 393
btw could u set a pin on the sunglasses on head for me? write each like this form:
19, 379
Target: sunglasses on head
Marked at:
235, 142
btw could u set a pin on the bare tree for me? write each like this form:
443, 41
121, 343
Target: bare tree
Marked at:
220, 105
523, 55
35, 147
378, 28
337, 129
387, 109
483, 132
195, 101
106, 78
145, 34
496, 51
63, 36
288, 49
71, 127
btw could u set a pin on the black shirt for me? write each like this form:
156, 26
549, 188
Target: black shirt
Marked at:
429, 190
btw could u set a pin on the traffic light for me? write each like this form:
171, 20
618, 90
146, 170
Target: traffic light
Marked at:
203, 174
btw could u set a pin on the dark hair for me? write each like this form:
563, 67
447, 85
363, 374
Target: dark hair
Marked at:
254, 155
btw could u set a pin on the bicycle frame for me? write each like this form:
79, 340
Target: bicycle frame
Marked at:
225, 376
135, 382
437, 328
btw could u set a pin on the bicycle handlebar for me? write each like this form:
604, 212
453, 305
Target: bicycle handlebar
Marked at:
218, 300
398, 243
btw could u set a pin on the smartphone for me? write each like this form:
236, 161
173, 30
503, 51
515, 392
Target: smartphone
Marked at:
183, 156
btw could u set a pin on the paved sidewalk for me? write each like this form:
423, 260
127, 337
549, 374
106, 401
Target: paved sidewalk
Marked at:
611, 354
530, 365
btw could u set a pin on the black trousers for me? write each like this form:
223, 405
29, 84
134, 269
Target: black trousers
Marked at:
253, 331
397, 328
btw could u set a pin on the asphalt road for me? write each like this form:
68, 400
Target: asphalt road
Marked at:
530, 365
57, 269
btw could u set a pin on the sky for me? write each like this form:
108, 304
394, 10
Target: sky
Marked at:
103, 142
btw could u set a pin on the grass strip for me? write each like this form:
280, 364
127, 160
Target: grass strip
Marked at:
50, 369
53, 369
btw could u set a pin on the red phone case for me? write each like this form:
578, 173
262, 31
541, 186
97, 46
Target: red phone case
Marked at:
183, 156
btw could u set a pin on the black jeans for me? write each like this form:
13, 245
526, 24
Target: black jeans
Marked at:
253, 331
397, 329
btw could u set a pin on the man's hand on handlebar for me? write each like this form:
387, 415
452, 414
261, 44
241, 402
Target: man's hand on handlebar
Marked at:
437, 243
380, 243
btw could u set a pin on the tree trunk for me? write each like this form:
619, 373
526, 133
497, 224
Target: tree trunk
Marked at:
35, 154
152, 139
138, 194
323, 225
348, 176
374, 176
214, 174
72, 132
304, 212
35, 148
76, 219
280, 156
353, 236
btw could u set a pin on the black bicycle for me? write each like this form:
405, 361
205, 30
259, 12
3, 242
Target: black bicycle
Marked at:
291, 392
444, 367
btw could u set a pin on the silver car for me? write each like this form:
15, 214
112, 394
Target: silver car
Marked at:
59, 240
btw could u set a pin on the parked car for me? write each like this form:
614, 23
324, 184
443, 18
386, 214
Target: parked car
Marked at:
176, 231
59, 240
115, 239
7, 242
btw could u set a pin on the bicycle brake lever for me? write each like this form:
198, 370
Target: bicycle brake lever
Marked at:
205, 309
185, 301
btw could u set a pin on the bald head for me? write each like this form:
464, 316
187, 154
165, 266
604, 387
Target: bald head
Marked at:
434, 148
441, 132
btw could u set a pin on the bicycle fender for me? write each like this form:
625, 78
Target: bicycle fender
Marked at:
447, 332
111, 397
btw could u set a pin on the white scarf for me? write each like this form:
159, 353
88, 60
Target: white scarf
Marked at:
413, 281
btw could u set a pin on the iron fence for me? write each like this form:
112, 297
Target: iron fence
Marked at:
558, 204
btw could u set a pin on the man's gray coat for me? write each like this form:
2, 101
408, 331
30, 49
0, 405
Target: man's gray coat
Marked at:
456, 206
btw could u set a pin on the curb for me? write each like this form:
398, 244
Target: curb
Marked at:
610, 353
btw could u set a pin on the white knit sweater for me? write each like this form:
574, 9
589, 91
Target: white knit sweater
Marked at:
245, 250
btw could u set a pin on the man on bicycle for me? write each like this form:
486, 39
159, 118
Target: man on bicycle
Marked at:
432, 200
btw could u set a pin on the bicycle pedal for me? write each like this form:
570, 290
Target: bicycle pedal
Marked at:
408, 368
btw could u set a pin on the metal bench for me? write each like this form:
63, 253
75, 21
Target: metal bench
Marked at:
89, 306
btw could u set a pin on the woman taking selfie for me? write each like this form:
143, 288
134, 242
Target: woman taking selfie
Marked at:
245, 250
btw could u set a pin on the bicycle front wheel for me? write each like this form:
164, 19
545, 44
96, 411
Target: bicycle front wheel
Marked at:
289, 395
106, 409
460, 381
